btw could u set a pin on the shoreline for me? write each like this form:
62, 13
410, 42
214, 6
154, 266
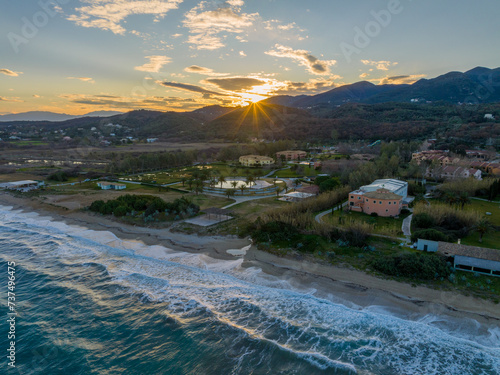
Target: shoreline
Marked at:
352, 288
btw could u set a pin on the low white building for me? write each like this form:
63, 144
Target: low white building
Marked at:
296, 196
111, 186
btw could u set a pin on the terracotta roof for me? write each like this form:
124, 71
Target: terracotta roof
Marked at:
448, 248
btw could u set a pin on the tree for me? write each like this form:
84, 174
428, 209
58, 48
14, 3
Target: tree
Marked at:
250, 180
243, 188
234, 184
482, 227
230, 193
222, 179
183, 180
190, 183
198, 186
463, 199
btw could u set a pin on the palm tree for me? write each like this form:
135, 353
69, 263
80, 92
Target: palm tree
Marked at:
222, 179
243, 188
230, 193
250, 180
482, 227
278, 190
463, 199
234, 184
190, 183
183, 180
198, 186
234, 172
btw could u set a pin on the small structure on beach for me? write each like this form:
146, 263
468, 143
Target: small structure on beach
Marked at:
111, 186
472, 258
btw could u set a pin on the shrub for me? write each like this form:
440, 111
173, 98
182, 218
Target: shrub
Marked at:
413, 265
429, 234
121, 211
423, 220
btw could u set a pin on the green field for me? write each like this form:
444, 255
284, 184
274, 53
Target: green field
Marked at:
491, 239
289, 173
381, 225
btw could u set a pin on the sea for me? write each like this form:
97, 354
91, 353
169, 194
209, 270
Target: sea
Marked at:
86, 302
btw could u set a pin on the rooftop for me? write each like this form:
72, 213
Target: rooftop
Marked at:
382, 194
448, 248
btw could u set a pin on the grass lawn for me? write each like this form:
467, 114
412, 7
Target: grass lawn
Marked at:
207, 201
491, 239
381, 225
289, 173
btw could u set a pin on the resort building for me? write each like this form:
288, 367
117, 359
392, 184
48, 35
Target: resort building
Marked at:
255, 160
111, 186
291, 155
383, 197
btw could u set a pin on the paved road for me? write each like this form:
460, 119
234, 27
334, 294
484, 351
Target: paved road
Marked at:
319, 217
407, 225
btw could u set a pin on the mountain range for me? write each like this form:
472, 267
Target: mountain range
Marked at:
51, 116
479, 85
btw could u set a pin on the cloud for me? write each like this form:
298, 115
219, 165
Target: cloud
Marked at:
363, 75
192, 88
380, 65
236, 83
202, 70
205, 26
313, 86
129, 103
399, 80
312, 63
155, 64
83, 79
36, 96
9, 72
242, 53
15, 100
109, 14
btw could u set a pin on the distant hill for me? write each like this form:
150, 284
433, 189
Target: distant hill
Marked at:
51, 116
211, 112
263, 121
479, 85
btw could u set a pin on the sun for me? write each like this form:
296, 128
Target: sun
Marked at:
252, 98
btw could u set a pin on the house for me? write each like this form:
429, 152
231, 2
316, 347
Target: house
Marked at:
386, 197
472, 258
152, 140
291, 155
453, 172
489, 116
427, 245
255, 160
111, 186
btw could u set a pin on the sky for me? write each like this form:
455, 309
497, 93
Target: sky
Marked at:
79, 56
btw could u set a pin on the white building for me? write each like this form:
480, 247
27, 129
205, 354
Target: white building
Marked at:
25, 185
394, 186
111, 186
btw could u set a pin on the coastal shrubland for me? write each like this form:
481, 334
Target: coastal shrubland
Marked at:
146, 208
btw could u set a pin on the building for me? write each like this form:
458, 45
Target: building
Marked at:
296, 196
385, 197
291, 155
111, 186
472, 258
23, 186
255, 160
427, 245
453, 173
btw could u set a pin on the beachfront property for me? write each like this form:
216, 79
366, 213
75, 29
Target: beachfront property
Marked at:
111, 186
24, 186
385, 197
472, 258
291, 155
255, 160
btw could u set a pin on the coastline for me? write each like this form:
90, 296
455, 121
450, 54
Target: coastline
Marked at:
352, 288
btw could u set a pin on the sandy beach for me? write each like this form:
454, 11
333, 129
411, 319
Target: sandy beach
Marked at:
350, 287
